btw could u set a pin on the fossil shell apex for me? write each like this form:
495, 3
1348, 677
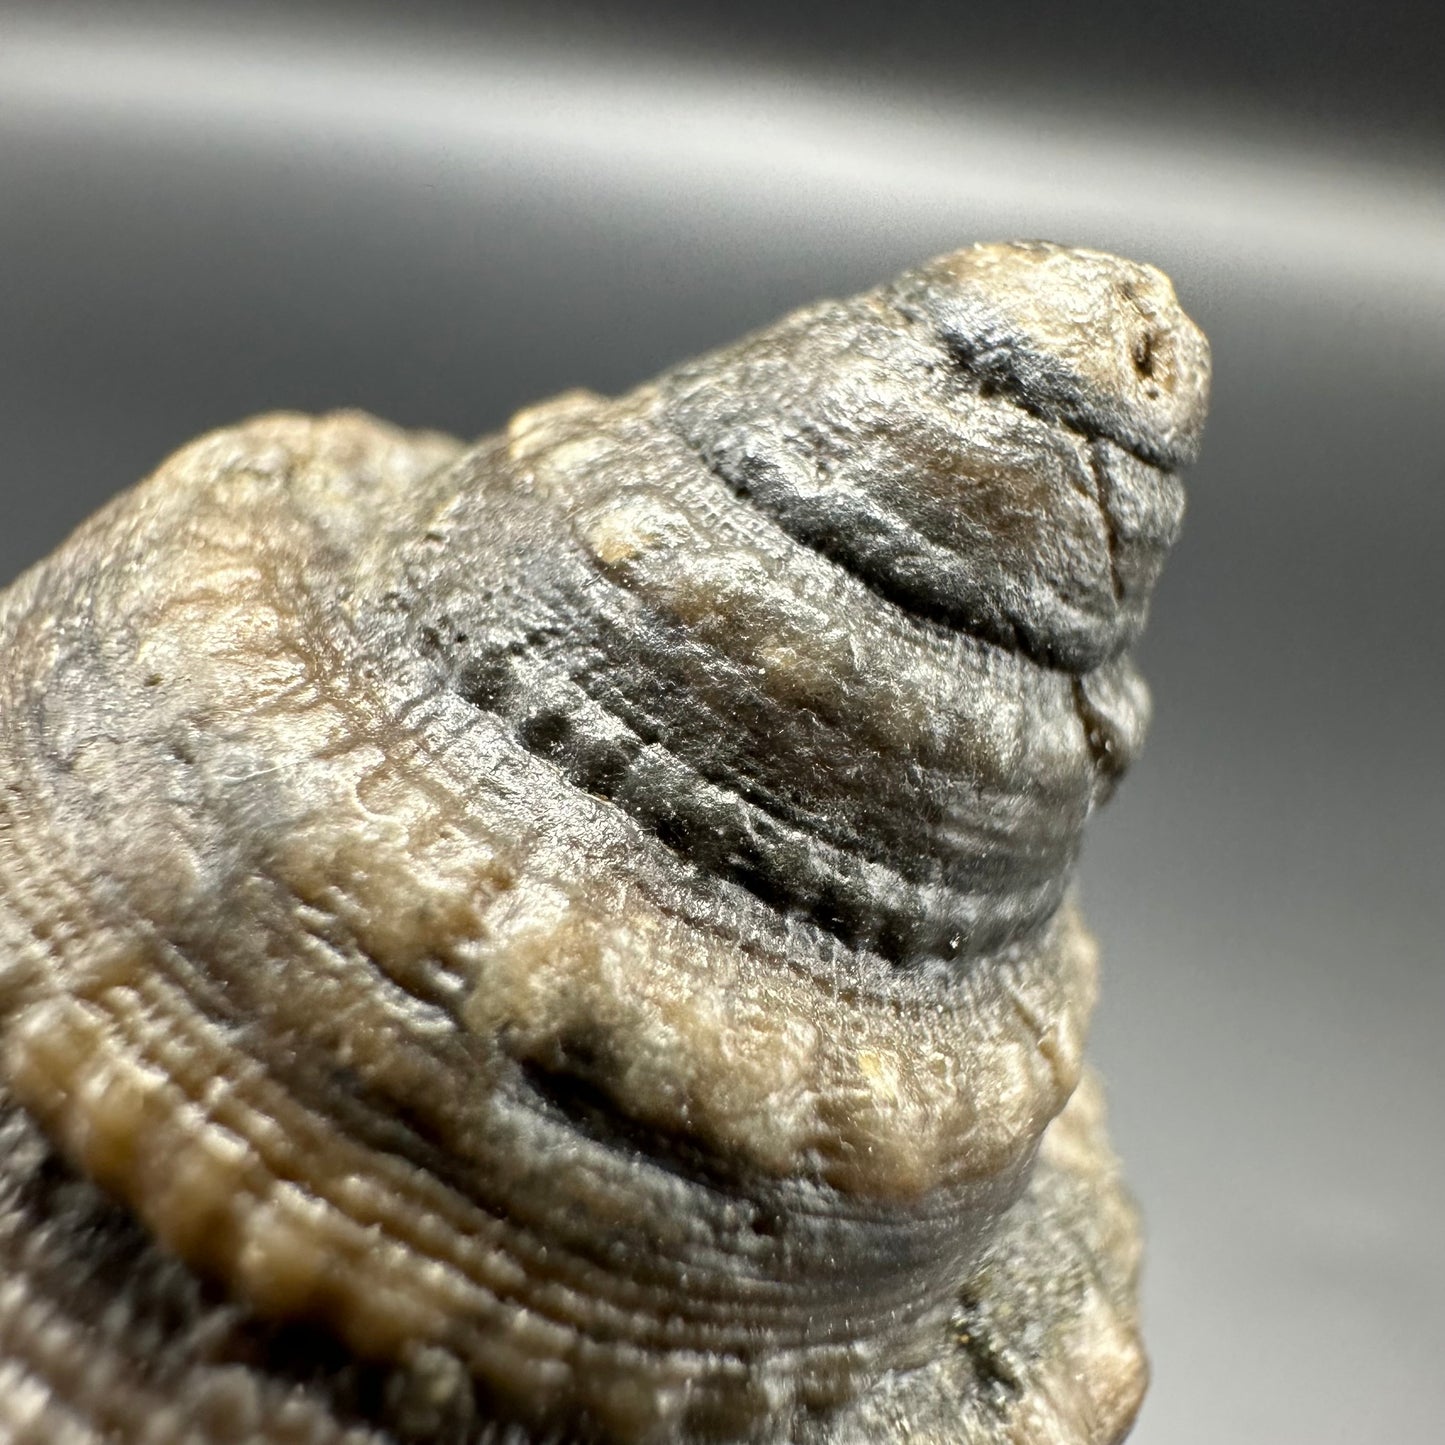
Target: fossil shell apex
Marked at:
569, 937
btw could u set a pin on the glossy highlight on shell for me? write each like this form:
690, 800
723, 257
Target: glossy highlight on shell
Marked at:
569, 937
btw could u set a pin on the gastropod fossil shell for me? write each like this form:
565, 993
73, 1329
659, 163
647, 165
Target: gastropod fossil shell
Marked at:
570, 937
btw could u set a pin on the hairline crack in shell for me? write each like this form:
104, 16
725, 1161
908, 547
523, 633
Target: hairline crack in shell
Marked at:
592, 906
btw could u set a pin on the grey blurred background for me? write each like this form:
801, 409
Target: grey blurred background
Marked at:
440, 213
